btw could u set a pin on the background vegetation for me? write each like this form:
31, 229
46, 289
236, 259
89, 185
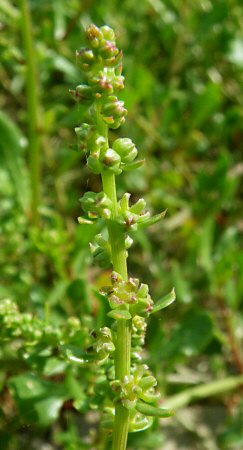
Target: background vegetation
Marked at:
183, 67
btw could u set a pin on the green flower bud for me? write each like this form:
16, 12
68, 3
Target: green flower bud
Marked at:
143, 307
83, 133
86, 59
138, 207
104, 343
139, 422
139, 324
83, 92
143, 291
96, 205
131, 216
116, 278
86, 55
94, 35
111, 161
108, 33
108, 50
113, 108
139, 385
115, 62
128, 242
94, 164
116, 123
130, 293
102, 84
73, 324
126, 149
101, 251
118, 82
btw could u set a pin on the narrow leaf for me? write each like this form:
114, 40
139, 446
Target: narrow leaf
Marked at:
133, 165
83, 221
164, 301
149, 410
78, 356
11, 158
119, 314
152, 220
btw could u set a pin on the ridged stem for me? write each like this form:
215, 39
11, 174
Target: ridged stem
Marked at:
119, 262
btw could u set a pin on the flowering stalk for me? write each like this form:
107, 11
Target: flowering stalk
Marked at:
131, 383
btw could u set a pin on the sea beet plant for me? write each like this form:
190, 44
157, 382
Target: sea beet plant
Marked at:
133, 400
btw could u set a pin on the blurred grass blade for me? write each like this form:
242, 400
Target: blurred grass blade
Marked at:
10, 158
203, 391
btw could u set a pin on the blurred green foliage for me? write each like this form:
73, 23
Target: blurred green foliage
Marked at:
183, 72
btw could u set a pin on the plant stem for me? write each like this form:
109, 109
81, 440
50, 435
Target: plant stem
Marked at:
123, 340
33, 109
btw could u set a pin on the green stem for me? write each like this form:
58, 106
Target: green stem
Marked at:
33, 109
203, 391
119, 262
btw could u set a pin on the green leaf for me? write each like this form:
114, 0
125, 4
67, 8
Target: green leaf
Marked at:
10, 157
38, 401
205, 245
77, 356
182, 286
149, 410
152, 220
164, 301
133, 165
120, 314
206, 104
191, 337
83, 221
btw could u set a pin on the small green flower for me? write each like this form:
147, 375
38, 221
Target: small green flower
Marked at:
96, 205
82, 93
137, 386
83, 133
126, 149
130, 293
111, 161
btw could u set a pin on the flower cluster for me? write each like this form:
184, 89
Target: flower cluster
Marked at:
136, 387
128, 299
32, 331
139, 327
17, 325
119, 157
103, 345
96, 205
102, 63
128, 293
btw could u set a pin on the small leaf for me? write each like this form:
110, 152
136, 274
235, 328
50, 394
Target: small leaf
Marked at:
149, 410
83, 221
164, 301
152, 220
133, 165
77, 356
38, 400
120, 314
